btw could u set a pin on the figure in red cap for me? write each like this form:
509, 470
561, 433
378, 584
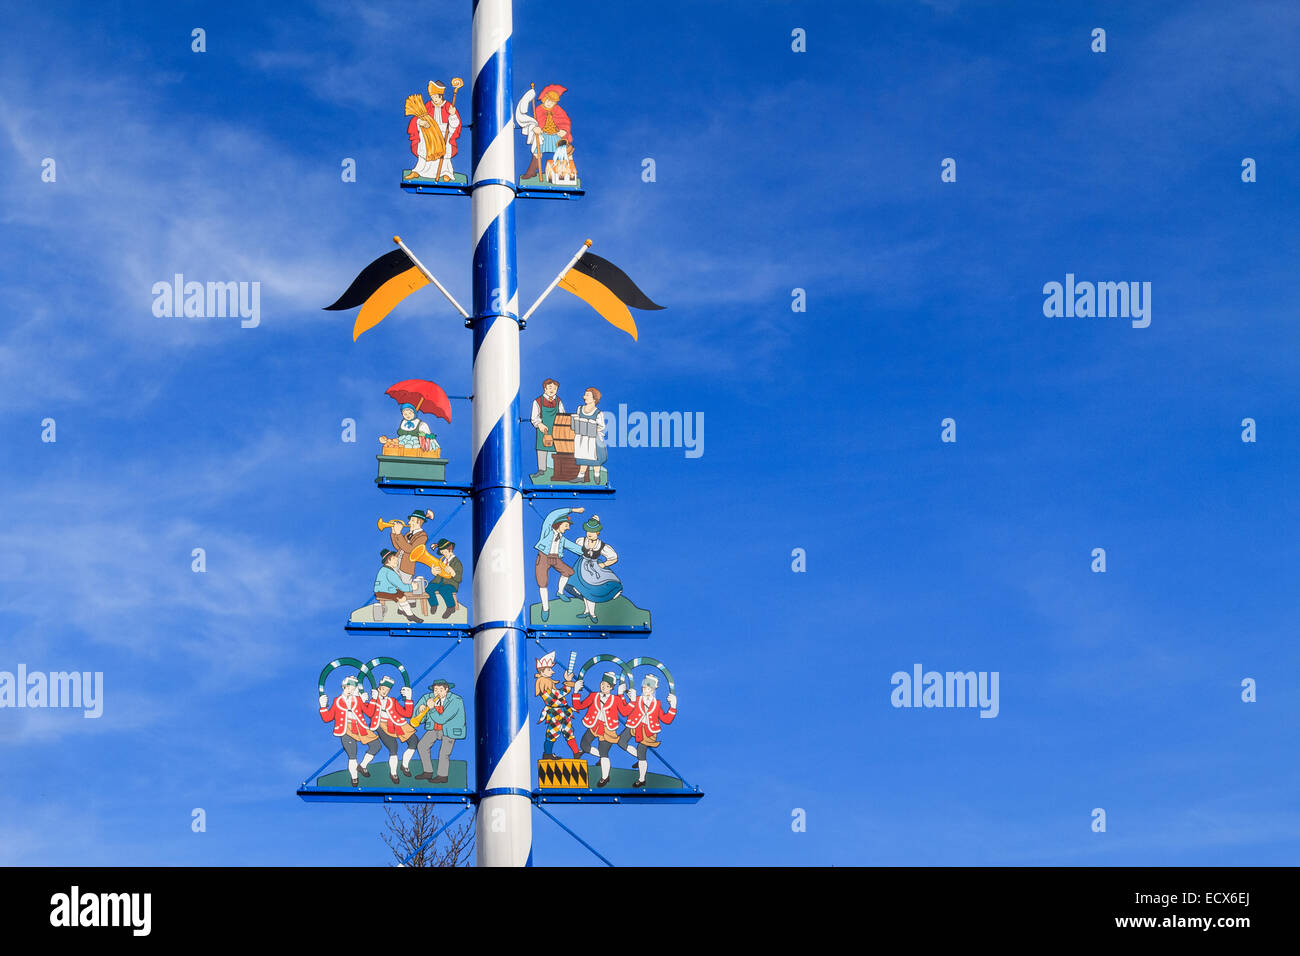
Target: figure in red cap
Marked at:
547, 130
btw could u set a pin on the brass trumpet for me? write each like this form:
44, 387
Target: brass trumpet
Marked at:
385, 525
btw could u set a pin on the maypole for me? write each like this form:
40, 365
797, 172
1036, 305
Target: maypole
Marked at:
502, 754
403, 605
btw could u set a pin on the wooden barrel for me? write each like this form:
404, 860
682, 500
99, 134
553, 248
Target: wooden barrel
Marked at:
562, 432
564, 466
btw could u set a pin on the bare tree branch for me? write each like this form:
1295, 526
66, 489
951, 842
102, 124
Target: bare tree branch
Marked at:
409, 828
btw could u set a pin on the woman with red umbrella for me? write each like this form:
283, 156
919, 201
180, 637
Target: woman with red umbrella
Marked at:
416, 395
413, 432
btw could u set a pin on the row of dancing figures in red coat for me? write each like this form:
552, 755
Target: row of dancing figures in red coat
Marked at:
644, 717
387, 721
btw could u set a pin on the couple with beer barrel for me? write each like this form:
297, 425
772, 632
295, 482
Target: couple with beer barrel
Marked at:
570, 445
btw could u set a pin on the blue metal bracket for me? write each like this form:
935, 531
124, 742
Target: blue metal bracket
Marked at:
399, 486
490, 625
459, 631
550, 193
348, 795
693, 795
426, 188
565, 492
469, 322
590, 631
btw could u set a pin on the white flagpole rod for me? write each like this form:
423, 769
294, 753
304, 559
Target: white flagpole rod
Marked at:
430, 276
556, 281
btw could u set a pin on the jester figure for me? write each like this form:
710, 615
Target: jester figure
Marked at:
557, 709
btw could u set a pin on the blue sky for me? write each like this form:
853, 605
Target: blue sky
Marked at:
775, 170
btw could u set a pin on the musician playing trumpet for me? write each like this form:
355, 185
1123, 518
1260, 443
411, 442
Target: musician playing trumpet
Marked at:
405, 543
443, 716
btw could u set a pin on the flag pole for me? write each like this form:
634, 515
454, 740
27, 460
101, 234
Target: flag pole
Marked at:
556, 281
430, 276
502, 755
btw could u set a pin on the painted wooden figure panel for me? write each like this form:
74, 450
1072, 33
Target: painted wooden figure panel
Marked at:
569, 441
548, 133
573, 550
411, 452
622, 714
367, 722
418, 580
433, 131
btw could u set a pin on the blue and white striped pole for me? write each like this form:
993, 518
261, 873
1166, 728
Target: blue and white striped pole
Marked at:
502, 752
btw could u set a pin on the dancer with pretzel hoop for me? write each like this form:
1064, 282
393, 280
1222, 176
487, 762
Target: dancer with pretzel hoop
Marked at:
646, 715
393, 725
602, 719
352, 713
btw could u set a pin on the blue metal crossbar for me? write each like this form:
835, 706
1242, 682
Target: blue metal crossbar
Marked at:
437, 833
317, 771
428, 670
655, 751
405, 486
446, 521
561, 825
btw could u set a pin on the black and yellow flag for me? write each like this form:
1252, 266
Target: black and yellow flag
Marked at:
607, 289
379, 288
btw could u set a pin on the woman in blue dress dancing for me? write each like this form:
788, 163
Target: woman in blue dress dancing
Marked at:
593, 581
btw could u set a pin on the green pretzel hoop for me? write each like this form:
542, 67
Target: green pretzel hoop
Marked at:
599, 658
651, 662
338, 662
368, 669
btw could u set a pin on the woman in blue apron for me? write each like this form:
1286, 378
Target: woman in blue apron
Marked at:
589, 436
593, 581
413, 432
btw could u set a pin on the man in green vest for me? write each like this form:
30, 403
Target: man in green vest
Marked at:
545, 408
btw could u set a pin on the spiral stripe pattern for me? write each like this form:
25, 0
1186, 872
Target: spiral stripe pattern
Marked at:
504, 778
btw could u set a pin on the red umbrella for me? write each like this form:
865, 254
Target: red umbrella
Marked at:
425, 396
